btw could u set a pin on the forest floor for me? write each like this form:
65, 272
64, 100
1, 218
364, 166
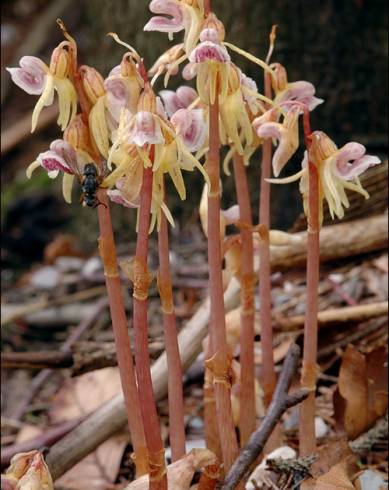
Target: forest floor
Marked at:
50, 303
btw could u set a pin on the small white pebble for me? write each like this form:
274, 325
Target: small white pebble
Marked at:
321, 428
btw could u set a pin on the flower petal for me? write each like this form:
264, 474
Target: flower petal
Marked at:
98, 126
117, 197
31, 76
67, 186
172, 24
351, 161
300, 91
147, 129
191, 126
46, 99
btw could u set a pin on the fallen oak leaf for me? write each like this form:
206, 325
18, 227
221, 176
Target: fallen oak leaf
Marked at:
361, 396
337, 478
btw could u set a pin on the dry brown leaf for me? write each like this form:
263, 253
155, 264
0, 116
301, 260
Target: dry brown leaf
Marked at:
79, 396
99, 470
338, 478
330, 454
180, 473
362, 390
83, 394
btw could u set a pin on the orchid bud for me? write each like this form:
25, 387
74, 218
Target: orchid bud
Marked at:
60, 61
77, 134
147, 100
93, 83
212, 22
280, 79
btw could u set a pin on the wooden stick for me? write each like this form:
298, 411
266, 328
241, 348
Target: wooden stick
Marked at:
281, 401
21, 130
340, 241
40, 379
47, 438
247, 280
337, 316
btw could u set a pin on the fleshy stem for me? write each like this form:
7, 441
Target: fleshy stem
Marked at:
141, 279
268, 373
309, 369
122, 341
220, 363
112, 280
247, 387
175, 388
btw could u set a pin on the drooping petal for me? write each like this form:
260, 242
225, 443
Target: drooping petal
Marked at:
171, 24
98, 126
46, 99
191, 126
31, 76
287, 135
351, 161
67, 101
67, 186
147, 129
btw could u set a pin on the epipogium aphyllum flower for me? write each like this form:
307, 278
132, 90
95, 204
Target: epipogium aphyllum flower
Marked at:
36, 78
133, 140
338, 171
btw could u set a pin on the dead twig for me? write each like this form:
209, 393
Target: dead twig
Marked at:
47, 438
41, 378
347, 314
281, 401
12, 312
351, 339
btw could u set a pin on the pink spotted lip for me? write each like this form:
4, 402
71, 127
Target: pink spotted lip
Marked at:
209, 51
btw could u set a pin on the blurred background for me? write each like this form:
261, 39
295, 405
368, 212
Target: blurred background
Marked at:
340, 46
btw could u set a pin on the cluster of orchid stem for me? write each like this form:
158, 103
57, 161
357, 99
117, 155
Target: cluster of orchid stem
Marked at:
146, 145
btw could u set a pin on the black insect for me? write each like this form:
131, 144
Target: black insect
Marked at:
90, 183
90, 178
